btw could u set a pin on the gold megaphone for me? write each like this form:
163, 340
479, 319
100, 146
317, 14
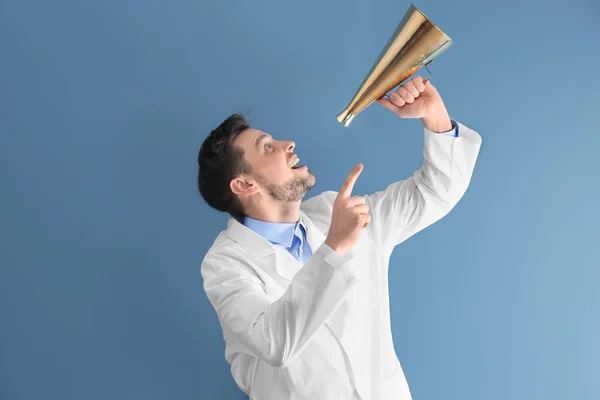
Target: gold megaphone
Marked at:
415, 43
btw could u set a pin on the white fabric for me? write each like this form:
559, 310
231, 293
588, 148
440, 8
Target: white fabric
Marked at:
322, 330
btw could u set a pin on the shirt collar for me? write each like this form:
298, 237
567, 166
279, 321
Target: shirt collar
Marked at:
278, 232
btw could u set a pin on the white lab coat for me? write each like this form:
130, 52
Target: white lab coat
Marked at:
322, 330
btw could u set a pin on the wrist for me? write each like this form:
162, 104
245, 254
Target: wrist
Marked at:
438, 121
336, 247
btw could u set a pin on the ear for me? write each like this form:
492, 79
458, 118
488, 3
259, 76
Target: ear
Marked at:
243, 187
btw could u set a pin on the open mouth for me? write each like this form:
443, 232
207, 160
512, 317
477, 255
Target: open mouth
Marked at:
295, 164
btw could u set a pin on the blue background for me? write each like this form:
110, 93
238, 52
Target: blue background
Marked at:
105, 104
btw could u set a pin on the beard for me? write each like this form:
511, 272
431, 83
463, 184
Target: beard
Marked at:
292, 190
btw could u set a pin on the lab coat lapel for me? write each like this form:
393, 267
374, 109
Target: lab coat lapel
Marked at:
274, 261
277, 267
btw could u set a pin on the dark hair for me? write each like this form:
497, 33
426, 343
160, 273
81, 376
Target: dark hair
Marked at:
219, 161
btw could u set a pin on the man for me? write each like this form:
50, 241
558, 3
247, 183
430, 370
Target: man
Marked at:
301, 287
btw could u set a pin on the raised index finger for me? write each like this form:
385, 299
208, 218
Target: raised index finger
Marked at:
348, 184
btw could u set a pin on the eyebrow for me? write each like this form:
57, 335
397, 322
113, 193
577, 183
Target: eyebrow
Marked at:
258, 139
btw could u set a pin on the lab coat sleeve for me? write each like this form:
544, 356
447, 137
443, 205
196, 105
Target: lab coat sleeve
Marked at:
276, 331
409, 206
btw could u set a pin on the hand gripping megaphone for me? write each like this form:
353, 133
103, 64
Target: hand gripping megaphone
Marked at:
415, 43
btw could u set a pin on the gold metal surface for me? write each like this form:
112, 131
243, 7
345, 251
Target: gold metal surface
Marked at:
415, 43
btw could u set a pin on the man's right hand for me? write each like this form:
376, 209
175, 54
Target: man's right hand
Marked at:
350, 216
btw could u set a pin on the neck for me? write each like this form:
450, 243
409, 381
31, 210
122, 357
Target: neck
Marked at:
274, 211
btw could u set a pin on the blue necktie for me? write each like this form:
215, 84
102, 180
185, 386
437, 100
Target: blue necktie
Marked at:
300, 248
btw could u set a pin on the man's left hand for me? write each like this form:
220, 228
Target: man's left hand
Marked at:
418, 98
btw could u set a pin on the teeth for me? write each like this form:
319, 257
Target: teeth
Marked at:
294, 163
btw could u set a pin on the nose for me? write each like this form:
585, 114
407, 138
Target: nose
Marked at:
289, 146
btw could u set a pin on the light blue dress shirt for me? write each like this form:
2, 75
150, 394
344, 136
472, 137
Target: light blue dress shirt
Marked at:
292, 236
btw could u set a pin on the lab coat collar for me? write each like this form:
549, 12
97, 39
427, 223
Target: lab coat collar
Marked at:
281, 266
265, 251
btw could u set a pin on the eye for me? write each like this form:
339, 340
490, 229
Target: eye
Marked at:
268, 144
